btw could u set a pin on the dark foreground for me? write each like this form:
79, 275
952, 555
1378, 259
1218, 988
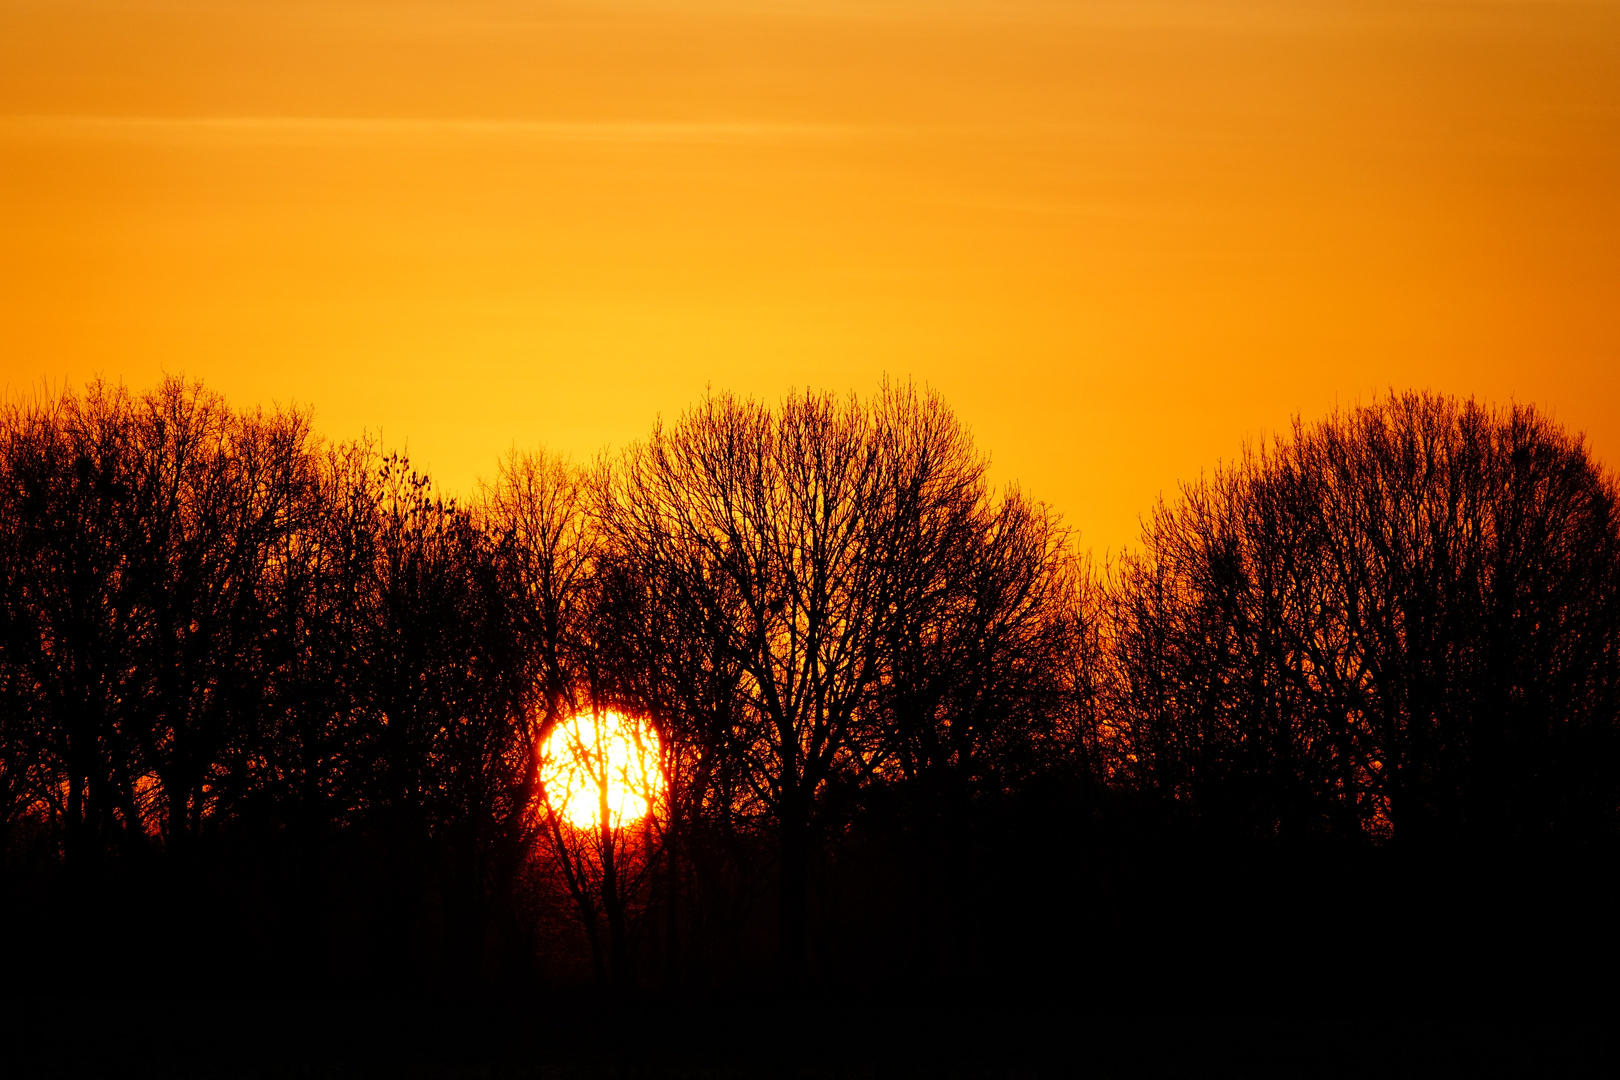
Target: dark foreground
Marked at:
1229, 967
590, 1037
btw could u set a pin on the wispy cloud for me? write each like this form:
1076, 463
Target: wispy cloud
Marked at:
321, 128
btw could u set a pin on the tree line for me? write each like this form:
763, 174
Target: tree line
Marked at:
266, 693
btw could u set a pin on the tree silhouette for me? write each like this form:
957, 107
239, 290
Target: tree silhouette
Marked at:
1402, 622
859, 602
273, 704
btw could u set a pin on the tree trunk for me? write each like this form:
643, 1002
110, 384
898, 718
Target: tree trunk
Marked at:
672, 885
794, 901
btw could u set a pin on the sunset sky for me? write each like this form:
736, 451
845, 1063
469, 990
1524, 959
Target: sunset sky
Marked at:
1120, 237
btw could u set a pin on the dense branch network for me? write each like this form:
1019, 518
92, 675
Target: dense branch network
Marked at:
1398, 626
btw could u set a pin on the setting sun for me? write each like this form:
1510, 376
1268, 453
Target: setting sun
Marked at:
592, 760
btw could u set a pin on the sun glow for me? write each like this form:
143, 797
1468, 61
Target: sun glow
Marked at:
593, 761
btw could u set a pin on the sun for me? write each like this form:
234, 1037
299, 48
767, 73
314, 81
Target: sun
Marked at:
596, 758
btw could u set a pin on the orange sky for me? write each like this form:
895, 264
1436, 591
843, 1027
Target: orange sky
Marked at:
1121, 237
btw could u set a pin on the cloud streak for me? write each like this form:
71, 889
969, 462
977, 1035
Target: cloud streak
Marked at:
322, 128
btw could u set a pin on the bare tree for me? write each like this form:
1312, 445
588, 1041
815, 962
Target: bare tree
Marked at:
212, 494
756, 527
539, 507
836, 561
145, 528
690, 686
1400, 622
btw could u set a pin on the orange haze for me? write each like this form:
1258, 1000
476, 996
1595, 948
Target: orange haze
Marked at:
1121, 237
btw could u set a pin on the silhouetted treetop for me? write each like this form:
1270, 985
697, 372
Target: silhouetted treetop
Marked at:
1401, 621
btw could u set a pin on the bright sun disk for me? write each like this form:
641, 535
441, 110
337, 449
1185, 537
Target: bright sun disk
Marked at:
591, 755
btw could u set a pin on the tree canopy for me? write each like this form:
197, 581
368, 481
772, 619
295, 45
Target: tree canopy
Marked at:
260, 688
